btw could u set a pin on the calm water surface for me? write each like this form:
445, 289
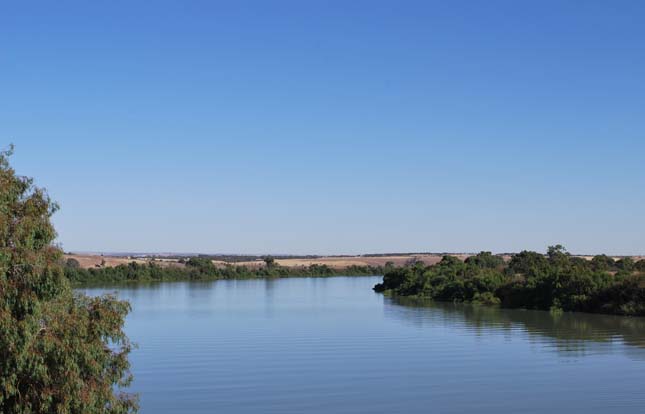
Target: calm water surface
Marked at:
334, 346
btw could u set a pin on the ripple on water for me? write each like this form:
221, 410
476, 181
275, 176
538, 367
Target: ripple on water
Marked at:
333, 345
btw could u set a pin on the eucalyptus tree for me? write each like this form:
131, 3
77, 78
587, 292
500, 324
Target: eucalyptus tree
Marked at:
60, 352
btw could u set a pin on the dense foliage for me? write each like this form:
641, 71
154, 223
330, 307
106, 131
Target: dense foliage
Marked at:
59, 352
555, 281
203, 269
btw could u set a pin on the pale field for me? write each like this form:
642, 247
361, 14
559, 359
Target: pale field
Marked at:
344, 262
94, 260
634, 258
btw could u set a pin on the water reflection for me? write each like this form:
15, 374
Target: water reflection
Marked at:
333, 345
569, 334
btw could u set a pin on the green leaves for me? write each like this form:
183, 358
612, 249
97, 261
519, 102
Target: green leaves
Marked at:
59, 352
529, 280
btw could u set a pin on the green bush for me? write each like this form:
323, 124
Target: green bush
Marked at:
555, 281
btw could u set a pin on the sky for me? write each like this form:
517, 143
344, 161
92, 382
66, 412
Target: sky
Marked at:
329, 127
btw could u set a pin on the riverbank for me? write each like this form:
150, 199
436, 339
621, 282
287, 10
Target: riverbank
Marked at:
199, 269
556, 282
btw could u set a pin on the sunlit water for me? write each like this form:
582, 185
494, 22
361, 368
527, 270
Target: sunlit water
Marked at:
334, 346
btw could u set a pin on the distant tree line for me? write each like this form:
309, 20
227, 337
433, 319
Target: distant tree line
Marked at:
556, 281
203, 269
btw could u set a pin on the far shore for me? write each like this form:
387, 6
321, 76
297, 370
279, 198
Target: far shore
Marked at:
88, 261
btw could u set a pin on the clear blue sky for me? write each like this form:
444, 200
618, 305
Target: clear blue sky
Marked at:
331, 126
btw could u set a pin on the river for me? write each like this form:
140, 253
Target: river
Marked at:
332, 345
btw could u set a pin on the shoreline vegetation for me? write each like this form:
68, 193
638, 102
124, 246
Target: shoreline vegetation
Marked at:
556, 281
203, 269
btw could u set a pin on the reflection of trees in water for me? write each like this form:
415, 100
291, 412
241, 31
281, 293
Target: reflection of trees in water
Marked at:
571, 333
